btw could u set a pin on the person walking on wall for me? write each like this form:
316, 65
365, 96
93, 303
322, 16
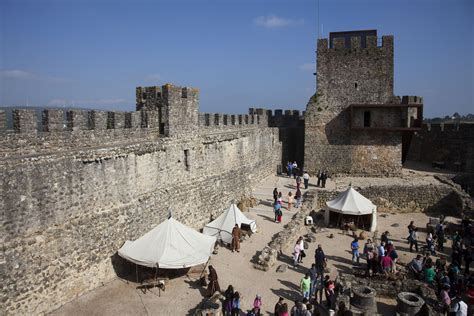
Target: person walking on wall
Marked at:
236, 238
298, 198
306, 179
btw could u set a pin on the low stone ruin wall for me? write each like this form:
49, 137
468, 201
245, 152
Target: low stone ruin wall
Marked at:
385, 287
268, 256
446, 197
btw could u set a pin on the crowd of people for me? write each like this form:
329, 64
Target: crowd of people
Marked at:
292, 170
381, 259
294, 200
452, 281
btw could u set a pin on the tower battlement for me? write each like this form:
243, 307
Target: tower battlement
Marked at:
355, 81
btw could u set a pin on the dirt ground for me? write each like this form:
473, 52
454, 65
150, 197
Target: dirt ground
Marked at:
184, 294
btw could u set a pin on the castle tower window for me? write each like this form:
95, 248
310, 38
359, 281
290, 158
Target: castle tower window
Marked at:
186, 159
355, 85
367, 119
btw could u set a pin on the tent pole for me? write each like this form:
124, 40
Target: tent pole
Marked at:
136, 271
205, 266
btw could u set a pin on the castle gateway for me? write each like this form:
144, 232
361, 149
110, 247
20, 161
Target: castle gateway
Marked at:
353, 123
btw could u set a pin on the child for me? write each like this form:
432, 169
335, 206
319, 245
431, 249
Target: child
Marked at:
276, 209
290, 200
236, 304
257, 304
279, 214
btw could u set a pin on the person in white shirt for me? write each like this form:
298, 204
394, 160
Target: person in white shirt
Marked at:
458, 307
306, 179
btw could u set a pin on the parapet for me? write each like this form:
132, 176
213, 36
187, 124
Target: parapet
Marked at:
412, 99
232, 120
464, 128
24, 121
355, 43
61, 121
3, 121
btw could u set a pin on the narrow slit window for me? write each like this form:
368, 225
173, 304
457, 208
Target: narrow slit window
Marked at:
355, 85
367, 119
186, 159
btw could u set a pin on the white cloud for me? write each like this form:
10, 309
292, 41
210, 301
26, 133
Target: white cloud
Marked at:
18, 74
273, 21
153, 77
84, 102
308, 67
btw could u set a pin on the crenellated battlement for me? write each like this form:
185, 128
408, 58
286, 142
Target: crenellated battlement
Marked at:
355, 40
26, 121
166, 111
447, 143
412, 99
257, 117
467, 128
220, 120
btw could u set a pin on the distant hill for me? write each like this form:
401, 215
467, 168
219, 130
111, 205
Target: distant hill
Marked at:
455, 118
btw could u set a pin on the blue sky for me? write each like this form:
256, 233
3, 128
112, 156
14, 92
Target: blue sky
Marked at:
240, 54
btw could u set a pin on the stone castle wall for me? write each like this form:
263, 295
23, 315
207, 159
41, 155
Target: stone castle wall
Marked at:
345, 76
442, 198
74, 190
452, 144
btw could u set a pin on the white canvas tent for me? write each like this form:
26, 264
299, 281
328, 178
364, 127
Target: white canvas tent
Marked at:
170, 245
222, 226
351, 202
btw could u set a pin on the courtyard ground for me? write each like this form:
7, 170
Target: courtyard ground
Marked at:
183, 294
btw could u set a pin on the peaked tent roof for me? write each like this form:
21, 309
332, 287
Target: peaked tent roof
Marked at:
351, 202
170, 245
222, 226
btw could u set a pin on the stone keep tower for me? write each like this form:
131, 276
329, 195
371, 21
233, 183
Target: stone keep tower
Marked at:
175, 109
354, 123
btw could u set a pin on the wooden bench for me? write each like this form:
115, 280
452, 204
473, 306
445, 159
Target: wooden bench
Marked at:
147, 284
